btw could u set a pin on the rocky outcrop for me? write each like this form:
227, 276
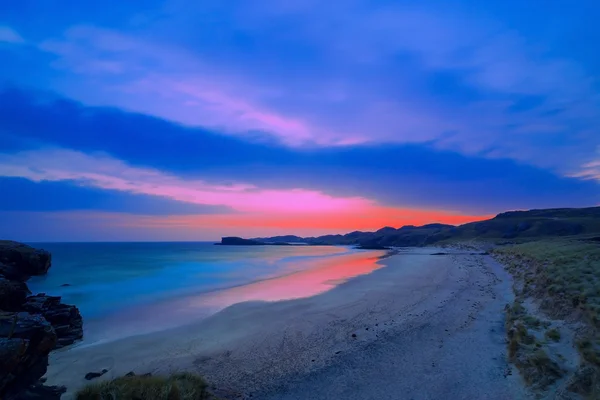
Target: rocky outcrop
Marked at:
12, 294
30, 326
65, 319
20, 262
25, 343
237, 241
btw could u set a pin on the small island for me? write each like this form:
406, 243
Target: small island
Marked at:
238, 241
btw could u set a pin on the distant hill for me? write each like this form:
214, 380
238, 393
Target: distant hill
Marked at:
508, 225
237, 241
280, 239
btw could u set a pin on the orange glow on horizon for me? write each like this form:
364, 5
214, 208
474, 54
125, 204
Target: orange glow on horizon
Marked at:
372, 218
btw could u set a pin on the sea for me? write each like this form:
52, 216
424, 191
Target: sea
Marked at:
125, 289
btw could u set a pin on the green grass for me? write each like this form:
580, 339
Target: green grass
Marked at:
553, 334
182, 386
567, 271
526, 352
564, 275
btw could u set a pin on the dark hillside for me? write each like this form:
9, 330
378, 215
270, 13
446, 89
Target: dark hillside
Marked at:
520, 225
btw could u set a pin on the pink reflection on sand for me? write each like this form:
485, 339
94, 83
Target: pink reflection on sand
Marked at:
322, 276
304, 279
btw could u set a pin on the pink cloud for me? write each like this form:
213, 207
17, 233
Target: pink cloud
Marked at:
213, 98
588, 171
105, 172
268, 210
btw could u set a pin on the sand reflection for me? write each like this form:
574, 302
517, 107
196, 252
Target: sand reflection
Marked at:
305, 278
308, 280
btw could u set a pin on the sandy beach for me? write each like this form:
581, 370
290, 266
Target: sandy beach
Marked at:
423, 326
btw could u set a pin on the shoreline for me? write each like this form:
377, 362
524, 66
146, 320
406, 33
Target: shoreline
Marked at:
323, 272
404, 325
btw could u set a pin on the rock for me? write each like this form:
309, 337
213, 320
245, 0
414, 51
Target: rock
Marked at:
30, 327
66, 319
25, 342
19, 261
130, 373
92, 375
237, 241
41, 392
12, 294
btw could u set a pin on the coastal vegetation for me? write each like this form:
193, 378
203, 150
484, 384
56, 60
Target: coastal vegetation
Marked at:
560, 279
180, 386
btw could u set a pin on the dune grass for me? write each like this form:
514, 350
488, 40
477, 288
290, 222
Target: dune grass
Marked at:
525, 351
181, 386
553, 334
564, 276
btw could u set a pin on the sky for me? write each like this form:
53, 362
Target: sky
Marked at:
192, 120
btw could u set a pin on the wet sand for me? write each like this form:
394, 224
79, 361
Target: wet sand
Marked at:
423, 327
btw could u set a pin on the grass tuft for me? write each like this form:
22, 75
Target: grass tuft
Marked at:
181, 386
538, 368
553, 334
564, 275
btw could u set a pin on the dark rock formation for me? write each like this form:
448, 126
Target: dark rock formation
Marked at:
25, 343
92, 375
41, 392
19, 261
509, 225
12, 294
281, 239
237, 241
30, 326
65, 319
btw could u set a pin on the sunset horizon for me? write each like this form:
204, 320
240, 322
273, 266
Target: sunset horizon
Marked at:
184, 121
299, 200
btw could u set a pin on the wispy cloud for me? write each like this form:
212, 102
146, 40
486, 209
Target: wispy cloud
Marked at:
105, 172
589, 171
294, 209
9, 35
451, 77
369, 80
161, 75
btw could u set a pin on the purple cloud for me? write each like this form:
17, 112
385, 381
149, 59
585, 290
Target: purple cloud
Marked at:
310, 74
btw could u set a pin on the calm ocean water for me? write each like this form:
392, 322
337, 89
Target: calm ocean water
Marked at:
114, 281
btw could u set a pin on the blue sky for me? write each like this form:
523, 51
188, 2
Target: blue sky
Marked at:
182, 120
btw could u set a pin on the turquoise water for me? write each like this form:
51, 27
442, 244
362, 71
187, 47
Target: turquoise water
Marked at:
106, 279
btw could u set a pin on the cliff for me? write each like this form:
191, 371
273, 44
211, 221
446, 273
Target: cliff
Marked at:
30, 326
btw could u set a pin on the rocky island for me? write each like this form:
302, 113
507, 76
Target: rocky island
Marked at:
31, 326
